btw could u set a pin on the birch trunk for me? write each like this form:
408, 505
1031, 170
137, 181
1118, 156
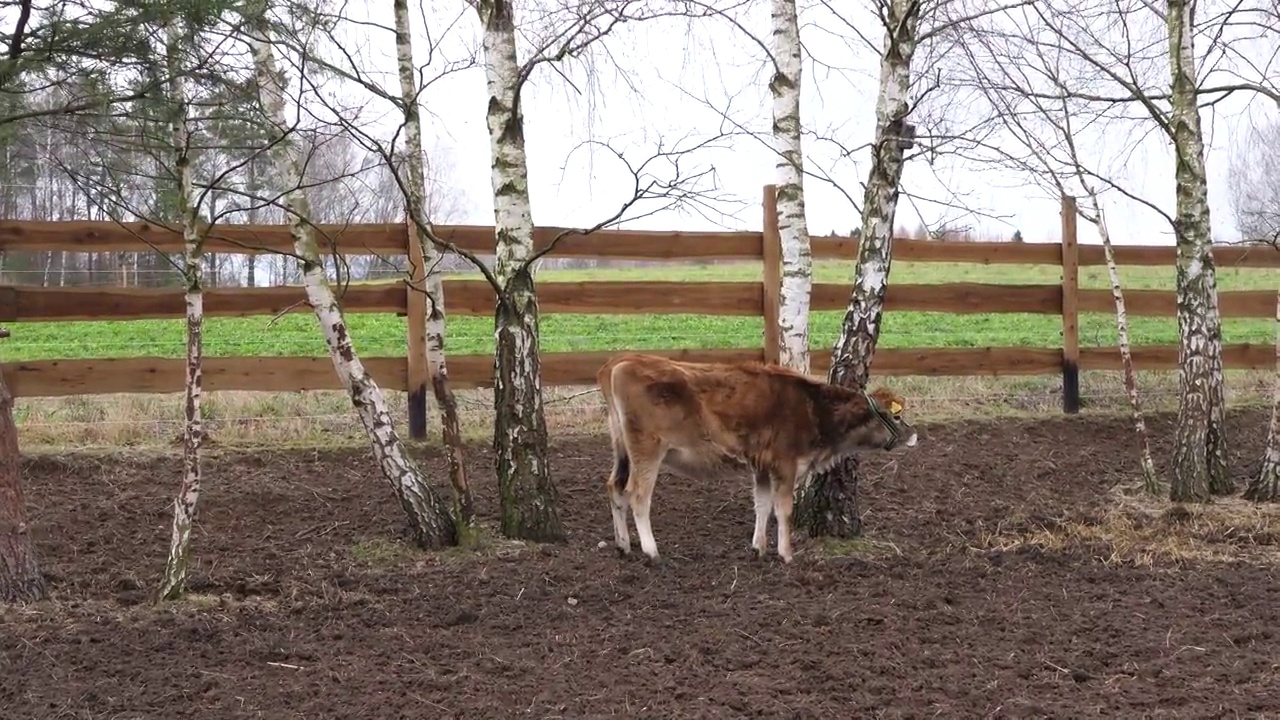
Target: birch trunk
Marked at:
797, 259
430, 522
1266, 486
828, 504
20, 577
1195, 284
437, 368
173, 586
520, 431
1220, 482
1150, 478
251, 261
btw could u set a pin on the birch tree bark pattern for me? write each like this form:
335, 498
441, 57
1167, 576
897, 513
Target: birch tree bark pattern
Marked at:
1195, 273
1265, 487
1150, 479
828, 503
437, 368
174, 582
429, 520
1220, 482
528, 496
797, 258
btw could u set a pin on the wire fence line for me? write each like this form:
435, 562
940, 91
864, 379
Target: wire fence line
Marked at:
323, 418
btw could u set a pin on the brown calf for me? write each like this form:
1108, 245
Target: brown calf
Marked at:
698, 420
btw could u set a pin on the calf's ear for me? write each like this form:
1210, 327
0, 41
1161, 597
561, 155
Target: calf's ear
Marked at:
889, 400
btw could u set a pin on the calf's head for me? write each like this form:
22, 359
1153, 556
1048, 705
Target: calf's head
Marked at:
875, 420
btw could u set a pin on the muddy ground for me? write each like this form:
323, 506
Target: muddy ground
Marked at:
309, 605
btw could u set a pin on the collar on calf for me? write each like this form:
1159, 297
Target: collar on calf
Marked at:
894, 434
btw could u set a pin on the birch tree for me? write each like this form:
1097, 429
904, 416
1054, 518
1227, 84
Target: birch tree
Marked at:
78, 49
528, 493
437, 368
1265, 486
529, 496
661, 181
428, 514
916, 35
1200, 460
1150, 478
827, 504
1136, 64
1025, 88
184, 505
793, 230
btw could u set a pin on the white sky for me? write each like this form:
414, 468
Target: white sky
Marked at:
652, 91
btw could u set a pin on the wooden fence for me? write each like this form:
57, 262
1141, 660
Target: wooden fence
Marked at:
474, 297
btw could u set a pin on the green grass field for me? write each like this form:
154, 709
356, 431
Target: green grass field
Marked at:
384, 334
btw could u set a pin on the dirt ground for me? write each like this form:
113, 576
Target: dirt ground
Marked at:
309, 605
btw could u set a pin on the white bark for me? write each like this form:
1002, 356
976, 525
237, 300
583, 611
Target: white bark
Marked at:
828, 502
437, 368
184, 505
520, 434
1195, 282
1216, 451
797, 258
428, 515
1150, 479
851, 361
513, 211
1266, 486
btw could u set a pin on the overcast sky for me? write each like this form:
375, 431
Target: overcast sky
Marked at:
672, 81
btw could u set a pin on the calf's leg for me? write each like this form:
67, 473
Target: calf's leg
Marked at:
646, 460
762, 491
784, 489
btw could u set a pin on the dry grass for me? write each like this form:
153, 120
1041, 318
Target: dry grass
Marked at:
325, 418
1138, 529
861, 548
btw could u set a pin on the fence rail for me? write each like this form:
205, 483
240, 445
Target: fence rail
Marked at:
474, 297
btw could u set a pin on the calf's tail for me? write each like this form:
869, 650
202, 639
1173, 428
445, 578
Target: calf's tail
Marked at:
621, 467
621, 461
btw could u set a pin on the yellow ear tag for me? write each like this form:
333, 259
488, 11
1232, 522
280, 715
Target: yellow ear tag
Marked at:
895, 407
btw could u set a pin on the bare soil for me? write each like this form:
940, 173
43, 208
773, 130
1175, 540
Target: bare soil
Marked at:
308, 603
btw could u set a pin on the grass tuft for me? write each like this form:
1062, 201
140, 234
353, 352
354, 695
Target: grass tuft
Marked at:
1142, 530
862, 548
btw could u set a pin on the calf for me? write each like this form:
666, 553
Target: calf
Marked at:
703, 419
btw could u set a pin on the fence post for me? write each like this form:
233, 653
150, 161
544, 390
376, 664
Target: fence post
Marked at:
1070, 309
771, 256
416, 318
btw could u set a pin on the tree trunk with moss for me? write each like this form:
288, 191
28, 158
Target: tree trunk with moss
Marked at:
1199, 356
529, 502
529, 498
